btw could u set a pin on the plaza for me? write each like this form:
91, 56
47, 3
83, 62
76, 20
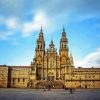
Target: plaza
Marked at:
53, 94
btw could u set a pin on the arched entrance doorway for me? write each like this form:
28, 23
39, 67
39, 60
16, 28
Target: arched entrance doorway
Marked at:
50, 76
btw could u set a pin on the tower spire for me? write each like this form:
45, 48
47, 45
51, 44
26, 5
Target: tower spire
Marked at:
63, 28
41, 29
64, 33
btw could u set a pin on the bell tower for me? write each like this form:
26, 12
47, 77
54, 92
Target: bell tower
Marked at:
40, 52
64, 48
40, 47
64, 57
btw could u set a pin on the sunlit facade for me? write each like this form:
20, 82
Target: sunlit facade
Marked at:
50, 68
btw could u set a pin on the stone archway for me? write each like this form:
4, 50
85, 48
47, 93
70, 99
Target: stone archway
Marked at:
50, 76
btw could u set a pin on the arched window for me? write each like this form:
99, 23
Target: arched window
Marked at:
18, 79
41, 46
62, 45
38, 46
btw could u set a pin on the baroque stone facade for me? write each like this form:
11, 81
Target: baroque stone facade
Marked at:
50, 69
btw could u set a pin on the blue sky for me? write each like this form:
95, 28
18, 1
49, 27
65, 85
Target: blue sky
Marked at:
20, 22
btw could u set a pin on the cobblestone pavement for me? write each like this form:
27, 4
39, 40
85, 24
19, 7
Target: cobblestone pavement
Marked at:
31, 94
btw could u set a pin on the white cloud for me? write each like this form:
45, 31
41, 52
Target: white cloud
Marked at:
39, 19
26, 28
4, 35
92, 59
12, 23
8, 27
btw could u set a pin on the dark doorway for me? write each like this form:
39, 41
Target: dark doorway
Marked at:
50, 78
80, 86
85, 86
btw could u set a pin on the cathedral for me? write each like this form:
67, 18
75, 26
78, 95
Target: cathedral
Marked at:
49, 64
50, 69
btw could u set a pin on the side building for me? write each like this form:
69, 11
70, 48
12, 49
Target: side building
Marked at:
83, 78
3, 76
18, 76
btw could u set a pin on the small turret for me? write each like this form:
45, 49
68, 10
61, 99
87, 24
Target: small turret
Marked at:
71, 60
51, 47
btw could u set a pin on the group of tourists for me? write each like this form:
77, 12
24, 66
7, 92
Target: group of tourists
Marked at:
71, 90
